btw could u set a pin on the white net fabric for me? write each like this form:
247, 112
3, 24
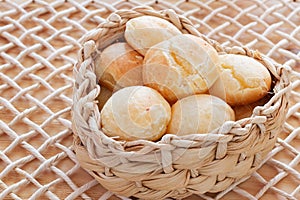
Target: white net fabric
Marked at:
39, 41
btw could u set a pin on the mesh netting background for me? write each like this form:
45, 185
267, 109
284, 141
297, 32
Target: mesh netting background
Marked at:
39, 41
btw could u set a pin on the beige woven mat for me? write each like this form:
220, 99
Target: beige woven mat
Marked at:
38, 46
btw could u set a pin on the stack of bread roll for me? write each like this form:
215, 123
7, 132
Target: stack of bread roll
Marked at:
161, 81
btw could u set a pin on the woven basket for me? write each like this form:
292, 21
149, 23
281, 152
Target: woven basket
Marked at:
174, 166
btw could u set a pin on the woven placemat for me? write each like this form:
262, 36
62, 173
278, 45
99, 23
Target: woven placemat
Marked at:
39, 41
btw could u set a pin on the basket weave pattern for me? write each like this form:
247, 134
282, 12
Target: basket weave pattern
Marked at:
39, 41
175, 166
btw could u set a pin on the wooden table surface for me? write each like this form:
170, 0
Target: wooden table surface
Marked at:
38, 48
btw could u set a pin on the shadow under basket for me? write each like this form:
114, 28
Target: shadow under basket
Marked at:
174, 166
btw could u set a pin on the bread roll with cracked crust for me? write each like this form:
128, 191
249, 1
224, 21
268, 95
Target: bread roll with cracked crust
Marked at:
243, 80
145, 31
199, 114
135, 112
181, 66
119, 66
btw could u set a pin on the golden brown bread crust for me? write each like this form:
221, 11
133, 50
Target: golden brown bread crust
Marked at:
199, 114
181, 66
119, 66
243, 80
135, 112
146, 31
